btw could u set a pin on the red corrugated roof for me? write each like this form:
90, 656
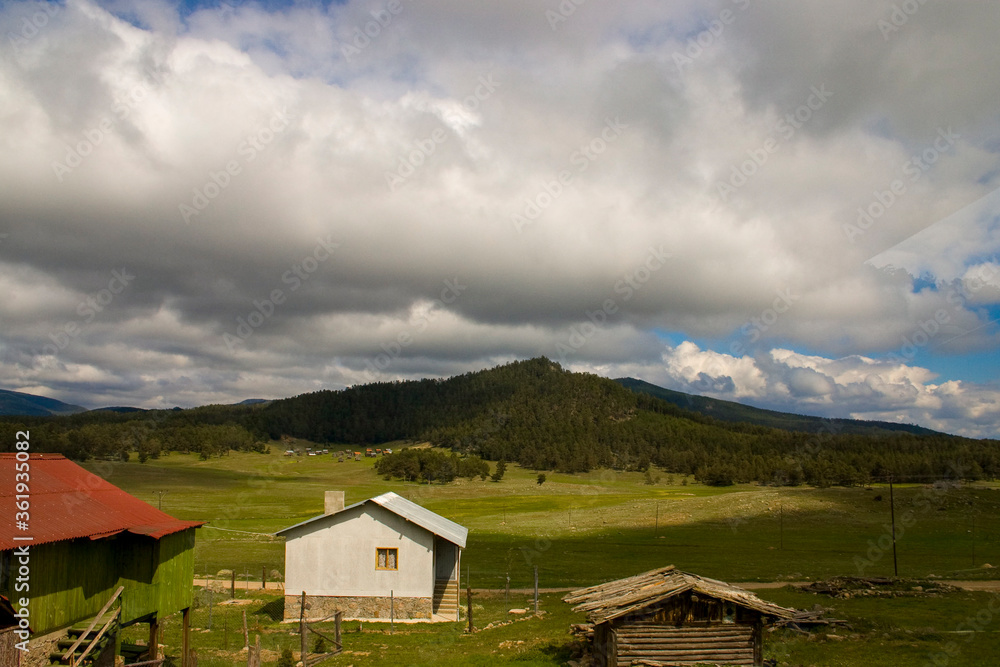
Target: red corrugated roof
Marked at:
67, 502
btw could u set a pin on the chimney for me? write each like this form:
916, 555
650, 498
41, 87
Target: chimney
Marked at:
333, 502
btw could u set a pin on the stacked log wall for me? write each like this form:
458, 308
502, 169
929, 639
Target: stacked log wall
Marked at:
729, 644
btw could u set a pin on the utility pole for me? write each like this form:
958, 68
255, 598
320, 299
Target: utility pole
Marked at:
972, 514
159, 502
892, 514
781, 527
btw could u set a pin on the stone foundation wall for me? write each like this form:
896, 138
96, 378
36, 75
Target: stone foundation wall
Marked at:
319, 607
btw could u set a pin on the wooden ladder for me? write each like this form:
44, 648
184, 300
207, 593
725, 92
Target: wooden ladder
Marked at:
70, 657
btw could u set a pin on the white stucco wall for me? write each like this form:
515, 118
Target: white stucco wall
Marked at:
336, 556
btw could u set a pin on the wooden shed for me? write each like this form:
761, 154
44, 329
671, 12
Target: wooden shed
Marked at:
666, 617
85, 540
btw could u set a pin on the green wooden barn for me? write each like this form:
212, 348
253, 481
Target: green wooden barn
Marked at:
85, 538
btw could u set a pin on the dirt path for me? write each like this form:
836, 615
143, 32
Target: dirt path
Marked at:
241, 585
990, 586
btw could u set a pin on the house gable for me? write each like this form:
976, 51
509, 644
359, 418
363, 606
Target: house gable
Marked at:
337, 555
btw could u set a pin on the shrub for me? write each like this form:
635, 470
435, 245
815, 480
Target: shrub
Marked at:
286, 659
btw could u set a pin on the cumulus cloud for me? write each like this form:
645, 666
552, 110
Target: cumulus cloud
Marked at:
857, 387
294, 186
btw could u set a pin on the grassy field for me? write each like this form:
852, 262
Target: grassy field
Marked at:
587, 528
883, 633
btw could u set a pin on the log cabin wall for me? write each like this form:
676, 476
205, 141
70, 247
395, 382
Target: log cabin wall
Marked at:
691, 644
687, 629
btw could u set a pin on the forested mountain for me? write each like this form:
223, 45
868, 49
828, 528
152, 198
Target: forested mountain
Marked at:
19, 403
541, 416
730, 411
538, 415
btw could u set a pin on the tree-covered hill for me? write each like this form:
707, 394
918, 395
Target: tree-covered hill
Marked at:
730, 411
536, 414
541, 416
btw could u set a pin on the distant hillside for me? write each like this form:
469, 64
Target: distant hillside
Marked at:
729, 411
539, 415
16, 403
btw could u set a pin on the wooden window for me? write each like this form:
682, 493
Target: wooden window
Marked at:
728, 614
386, 559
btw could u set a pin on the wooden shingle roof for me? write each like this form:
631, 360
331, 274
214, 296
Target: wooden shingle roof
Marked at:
606, 602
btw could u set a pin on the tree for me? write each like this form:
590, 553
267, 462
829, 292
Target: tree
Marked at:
541, 478
500, 470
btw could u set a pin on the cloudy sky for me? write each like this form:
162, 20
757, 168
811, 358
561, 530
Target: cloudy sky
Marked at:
793, 205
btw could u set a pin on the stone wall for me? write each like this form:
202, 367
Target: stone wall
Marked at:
367, 608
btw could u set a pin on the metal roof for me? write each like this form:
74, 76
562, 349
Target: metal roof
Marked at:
67, 502
409, 510
614, 599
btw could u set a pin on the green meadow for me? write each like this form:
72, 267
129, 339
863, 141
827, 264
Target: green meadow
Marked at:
583, 529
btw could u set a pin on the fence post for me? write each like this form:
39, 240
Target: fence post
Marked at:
536, 590
304, 646
468, 601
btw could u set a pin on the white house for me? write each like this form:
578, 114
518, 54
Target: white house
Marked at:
380, 557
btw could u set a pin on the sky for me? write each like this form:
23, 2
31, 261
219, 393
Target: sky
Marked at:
791, 205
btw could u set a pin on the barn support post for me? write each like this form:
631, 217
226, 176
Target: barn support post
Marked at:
154, 639
186, 638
